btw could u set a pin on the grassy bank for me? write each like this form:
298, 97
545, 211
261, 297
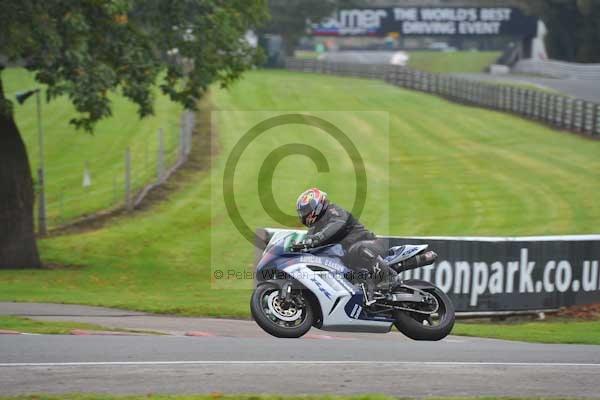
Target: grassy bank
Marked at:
453, 170
26, 325
438, 61
216, 396
561, 331
450, 62
67, 151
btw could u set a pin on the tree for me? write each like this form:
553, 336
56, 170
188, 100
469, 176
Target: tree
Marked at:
85, 49
573, 28
289, 17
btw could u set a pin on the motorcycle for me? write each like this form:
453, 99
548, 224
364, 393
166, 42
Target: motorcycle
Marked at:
296, 290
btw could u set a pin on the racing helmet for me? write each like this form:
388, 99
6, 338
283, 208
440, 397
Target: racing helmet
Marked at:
311, 204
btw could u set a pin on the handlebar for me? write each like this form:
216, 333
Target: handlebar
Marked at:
301, 247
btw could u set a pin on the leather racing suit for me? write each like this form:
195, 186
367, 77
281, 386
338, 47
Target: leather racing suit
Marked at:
362, 248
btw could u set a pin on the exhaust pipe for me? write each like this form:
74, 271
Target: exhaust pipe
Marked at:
417, 261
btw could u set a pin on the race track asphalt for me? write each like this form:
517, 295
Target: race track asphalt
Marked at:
236, 357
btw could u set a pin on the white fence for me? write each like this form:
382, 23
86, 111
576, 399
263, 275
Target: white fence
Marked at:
104, 190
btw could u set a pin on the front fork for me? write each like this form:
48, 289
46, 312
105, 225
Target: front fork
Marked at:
285, 293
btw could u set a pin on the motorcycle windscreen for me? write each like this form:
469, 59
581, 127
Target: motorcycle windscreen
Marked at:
284, 238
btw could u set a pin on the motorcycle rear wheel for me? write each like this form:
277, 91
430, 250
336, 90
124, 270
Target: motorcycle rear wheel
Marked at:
424, 327
277, 318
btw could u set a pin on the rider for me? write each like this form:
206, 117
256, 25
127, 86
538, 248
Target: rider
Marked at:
329, 223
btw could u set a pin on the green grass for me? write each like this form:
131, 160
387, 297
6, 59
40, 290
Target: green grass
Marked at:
217, 396
306, 54
21, 324
212, 396
565, 331
454, 170
450, 62
67, 150
438, 61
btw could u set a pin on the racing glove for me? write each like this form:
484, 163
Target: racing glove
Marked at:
308, 242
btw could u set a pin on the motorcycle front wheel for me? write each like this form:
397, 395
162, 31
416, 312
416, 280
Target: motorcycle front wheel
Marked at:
432, 327
283, 319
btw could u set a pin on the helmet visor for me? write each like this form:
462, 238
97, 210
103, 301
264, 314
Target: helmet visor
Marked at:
304, 212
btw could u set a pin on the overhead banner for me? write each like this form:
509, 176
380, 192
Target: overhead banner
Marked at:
512, 274
427, 21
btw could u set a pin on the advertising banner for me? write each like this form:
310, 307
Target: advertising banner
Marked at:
427, 21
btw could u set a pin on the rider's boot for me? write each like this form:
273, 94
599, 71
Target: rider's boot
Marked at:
382, 279
384, 276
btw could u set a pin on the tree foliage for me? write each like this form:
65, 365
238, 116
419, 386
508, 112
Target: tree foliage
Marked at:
86, 48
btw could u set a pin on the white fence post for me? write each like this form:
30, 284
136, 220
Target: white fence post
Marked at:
160, 159
128, 197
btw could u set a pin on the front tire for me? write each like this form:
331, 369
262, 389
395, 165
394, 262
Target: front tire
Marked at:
424, 327
279, 319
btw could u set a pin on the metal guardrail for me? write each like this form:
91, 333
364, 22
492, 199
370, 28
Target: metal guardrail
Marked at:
559, 69
557, 110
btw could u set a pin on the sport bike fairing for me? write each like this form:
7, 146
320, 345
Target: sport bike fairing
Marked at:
404, 252
321, 271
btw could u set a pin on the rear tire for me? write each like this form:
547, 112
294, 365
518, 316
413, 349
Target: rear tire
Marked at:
269, 315
417, 327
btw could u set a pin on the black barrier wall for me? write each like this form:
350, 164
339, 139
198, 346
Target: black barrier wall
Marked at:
510, 274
